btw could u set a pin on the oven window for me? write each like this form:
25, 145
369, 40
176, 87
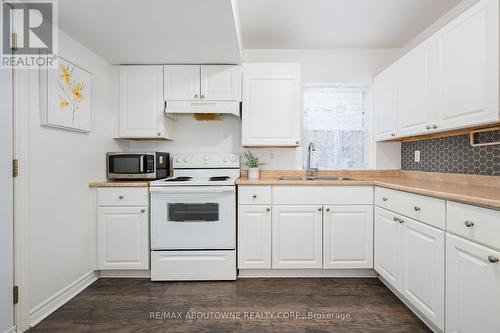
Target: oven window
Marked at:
124, 164
185, 212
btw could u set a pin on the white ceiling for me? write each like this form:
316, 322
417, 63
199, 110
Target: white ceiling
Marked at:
154, 31
323, 24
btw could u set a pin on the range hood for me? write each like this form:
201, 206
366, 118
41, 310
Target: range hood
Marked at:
226, 107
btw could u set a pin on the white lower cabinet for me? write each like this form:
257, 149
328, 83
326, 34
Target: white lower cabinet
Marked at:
123, 239
472, 287
348, 237
409, 255
297, 237
254, 237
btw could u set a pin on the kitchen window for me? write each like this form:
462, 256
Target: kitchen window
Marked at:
335, 119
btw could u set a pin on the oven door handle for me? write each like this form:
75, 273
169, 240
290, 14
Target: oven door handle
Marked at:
189, 189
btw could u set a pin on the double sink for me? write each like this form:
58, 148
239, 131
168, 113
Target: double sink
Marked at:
305, 178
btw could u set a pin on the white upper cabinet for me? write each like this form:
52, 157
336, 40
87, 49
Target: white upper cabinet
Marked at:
385, 103
469, 66
472, 287
348, 237
181, 82
415, 76
272, 105
220, 83
297, 237
448, 82
142, 104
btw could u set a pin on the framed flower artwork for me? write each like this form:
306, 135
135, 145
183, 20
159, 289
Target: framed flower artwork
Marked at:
66, 97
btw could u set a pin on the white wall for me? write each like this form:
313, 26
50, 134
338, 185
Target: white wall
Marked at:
60, 165
319, 66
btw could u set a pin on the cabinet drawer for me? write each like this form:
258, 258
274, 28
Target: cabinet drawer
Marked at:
478, 224
254, 195
123, 196
322, 195
419, 207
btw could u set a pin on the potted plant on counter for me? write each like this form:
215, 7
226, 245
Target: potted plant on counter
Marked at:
253, 163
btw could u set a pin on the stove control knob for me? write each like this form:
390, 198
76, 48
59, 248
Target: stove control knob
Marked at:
186, 159
225, 159
178, 159
205, 158
233, 159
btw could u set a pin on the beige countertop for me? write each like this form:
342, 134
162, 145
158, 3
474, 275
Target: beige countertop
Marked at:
463, 188
120, 183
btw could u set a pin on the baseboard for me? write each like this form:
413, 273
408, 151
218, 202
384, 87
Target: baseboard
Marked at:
42, 310
410, 306
11, 330
146, 274
306, 273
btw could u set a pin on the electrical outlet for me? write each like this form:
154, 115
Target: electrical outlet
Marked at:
417, 156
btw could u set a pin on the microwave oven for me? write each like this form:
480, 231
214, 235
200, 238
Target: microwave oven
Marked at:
137, 165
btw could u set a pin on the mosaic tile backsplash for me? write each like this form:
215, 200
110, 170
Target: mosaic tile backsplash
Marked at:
453, 154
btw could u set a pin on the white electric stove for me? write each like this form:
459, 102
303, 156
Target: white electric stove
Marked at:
193, 219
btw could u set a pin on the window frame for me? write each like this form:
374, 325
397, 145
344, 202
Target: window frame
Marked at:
367, 108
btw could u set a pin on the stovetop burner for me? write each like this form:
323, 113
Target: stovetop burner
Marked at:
179, 179
219, 178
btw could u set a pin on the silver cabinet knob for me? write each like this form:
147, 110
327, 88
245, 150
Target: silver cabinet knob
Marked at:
328, 209
254, 196
417, 209
401, 221
143, 210
492, 259
202, 96
396, 219
268, 209
195, 96
159, 133
428, 127
469, 224
393, 134
121, 196
434, 126
320, 209
297, 142
384, 199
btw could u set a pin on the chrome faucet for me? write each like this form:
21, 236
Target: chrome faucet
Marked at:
310, 171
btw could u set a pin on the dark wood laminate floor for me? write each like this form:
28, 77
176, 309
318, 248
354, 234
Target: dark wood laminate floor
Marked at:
125, 305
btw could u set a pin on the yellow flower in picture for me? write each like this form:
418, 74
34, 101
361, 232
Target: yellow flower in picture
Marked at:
63, 103
65, 75
77, 91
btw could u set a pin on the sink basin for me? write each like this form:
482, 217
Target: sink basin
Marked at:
304, 178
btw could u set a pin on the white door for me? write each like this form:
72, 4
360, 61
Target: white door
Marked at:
348, 237
6, 203
220, 83
386, 246
469, 66
472, 287
422, 269
182, 82
141, 102
272, 109
414, 94
123, 238
297, 237
254, 237
385, 98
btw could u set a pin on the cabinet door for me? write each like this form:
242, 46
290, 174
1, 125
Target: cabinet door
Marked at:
272, 109
141, 102
422, 267
182, 82
254, 237
348, 237
385, 103
415, 72
469, 65
220, 83
472, 287
297, 237
122, 234
386, 246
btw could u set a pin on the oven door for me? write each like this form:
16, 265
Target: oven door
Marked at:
193, 217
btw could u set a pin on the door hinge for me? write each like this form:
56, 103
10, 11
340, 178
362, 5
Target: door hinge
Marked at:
14, 41
15, 168
15, 295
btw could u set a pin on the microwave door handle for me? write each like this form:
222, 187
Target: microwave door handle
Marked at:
141, 163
